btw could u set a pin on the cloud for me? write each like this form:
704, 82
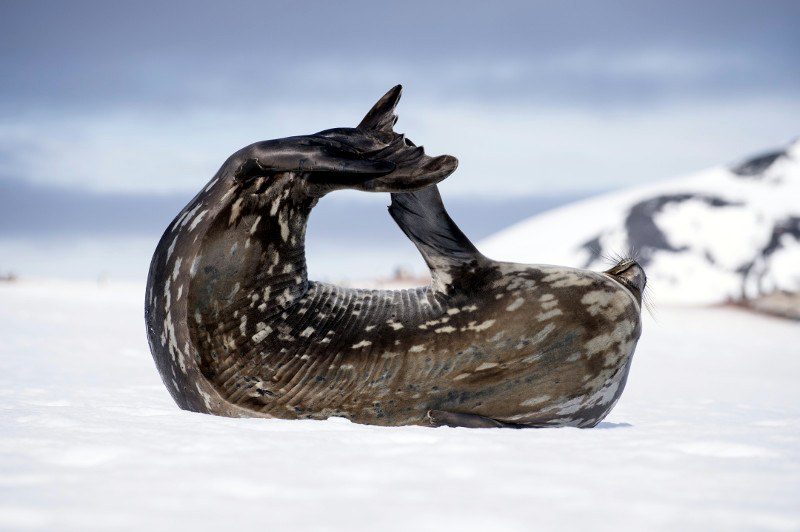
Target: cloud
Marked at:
504, 148
95, 54
531, 96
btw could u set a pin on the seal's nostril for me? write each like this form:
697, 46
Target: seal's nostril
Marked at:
632, 275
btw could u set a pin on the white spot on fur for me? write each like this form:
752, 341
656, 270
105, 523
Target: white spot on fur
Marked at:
446, 329
515, 305
362, 343
567, 277
225, 196
210, 184
416, 349
284, 225
254, 227
574, 357
487, 365
171, 247
193, 266
260, 335
307, 332
533, 401
440, 280
550, 314
602, 302
236, 210
206, 398
478, 328
197, 220
190, 214
177, 268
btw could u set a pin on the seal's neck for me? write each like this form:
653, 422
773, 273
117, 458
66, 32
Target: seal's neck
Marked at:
272, 225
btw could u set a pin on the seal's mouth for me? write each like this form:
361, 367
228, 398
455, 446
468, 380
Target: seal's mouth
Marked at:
630, 275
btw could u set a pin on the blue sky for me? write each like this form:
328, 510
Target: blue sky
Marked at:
532, 97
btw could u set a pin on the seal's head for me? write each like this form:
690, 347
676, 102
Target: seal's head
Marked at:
370, 157
630, 275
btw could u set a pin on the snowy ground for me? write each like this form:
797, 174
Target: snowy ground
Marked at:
706, 436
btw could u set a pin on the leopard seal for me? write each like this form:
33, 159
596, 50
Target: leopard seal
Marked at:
236, 328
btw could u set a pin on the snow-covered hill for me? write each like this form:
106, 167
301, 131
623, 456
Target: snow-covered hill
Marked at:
723, 234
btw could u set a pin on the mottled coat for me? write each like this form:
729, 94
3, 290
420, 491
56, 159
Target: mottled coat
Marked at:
237, 329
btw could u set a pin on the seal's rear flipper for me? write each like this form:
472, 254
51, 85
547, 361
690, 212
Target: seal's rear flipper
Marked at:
422, 217
371, 147
382, 116
440, 418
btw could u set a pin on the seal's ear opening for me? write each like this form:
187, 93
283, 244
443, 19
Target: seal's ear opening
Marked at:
381, 117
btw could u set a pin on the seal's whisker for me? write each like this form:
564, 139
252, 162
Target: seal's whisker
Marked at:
648, 302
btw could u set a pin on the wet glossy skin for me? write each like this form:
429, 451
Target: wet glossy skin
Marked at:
237, 329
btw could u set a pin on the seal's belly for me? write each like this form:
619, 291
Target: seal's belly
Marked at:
532, 356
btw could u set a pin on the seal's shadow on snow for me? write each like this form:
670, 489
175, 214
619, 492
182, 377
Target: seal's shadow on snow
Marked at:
610, 425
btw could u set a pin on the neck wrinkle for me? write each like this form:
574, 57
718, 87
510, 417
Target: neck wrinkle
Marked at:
282, 278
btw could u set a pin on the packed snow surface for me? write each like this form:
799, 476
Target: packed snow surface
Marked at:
724, 234
706, 437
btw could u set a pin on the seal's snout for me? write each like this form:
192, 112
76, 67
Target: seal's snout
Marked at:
631, 275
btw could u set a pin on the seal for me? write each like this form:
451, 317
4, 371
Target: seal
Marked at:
237, 329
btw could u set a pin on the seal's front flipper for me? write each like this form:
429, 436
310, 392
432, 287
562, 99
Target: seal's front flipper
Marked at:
447, 251
422, 217
441, 418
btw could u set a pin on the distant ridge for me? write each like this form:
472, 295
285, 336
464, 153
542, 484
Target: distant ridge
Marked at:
723, 234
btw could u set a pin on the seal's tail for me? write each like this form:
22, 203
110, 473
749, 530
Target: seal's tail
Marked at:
422, 217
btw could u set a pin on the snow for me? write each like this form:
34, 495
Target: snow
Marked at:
718, 235
706, 436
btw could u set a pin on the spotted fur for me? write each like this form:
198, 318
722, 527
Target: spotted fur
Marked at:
237, 329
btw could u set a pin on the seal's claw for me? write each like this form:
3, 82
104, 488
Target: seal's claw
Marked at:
441, 418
